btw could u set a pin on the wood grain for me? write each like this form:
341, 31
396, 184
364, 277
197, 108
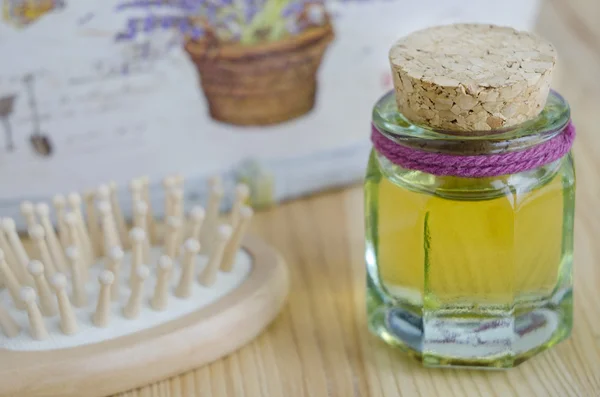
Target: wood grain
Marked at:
320, 346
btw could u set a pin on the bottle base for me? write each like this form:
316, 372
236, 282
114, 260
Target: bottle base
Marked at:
450, 338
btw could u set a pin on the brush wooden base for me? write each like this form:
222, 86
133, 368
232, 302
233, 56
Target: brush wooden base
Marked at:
156, 353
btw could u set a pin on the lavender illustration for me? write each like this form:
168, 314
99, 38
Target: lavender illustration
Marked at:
246, 22
232, 43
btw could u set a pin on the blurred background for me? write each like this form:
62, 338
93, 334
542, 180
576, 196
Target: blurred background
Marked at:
92, 92
572, 27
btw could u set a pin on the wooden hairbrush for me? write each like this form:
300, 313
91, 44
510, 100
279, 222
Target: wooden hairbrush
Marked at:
96, 306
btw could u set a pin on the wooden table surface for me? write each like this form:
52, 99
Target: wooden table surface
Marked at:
319, 345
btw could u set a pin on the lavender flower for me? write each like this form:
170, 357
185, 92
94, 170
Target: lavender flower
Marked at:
167, 22
292, 9
197, 32
183, 4
247, 21
218, 3
184, 26
149, 23
130, 32
137, 3
210, 13
192, 5
250, 12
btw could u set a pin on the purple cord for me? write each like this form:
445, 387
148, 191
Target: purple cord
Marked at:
475, 166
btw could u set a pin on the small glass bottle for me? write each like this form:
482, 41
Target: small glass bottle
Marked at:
469, 200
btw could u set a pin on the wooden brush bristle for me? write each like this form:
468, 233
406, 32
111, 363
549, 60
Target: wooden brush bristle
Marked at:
52, 284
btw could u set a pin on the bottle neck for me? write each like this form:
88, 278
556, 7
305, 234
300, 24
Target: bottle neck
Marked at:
393, 125
460, 188
478, 165
423, 159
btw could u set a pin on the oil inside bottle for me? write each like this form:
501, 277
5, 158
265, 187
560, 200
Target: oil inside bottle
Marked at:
443, 251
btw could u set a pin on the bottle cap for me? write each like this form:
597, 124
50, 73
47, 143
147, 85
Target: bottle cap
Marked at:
471, 77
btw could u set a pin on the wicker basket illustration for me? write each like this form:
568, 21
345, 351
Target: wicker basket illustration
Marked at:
261, 84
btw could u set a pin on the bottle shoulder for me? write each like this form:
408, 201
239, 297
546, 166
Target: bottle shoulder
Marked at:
461, 188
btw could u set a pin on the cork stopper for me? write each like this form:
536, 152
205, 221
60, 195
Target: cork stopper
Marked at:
471, 77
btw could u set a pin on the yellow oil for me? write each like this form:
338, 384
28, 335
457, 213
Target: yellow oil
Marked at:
484, 251
472, 272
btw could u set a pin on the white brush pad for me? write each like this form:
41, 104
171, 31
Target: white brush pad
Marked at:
119, 325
